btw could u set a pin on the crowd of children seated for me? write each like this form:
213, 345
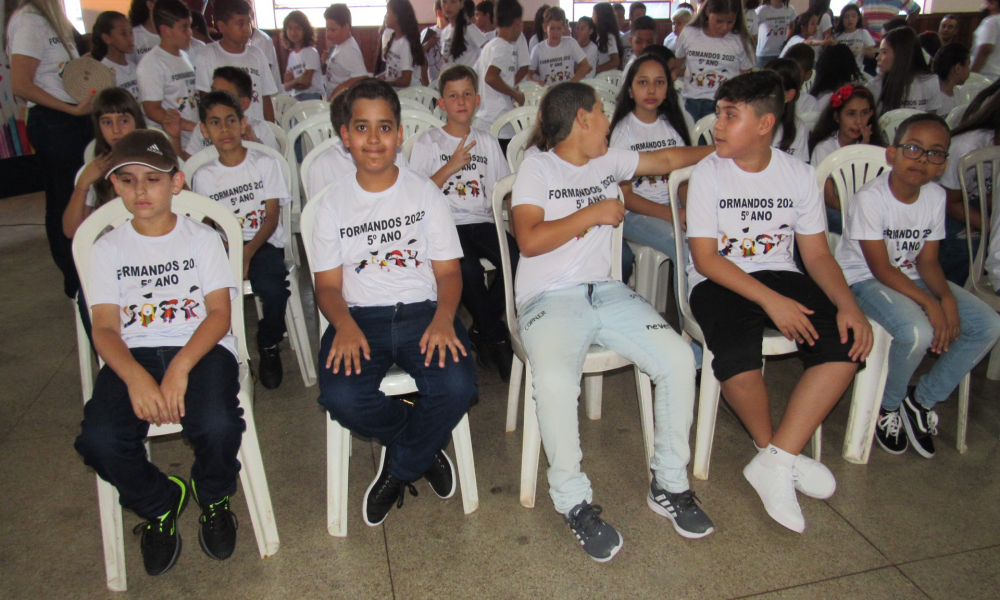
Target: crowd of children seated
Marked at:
900, 262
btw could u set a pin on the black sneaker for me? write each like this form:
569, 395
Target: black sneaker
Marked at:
384, 491
889, 431
271, 371
502, 356
479, 349
920, 423
688, 518
441, 475
161, 542
599, 539
218, 527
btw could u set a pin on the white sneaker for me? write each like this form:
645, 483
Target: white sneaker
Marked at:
776, 489
812, 478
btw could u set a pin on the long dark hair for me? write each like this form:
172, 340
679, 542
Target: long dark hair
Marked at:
540, 22
138, 12
308, 33
908, 62
406, 19
983, 113
111, 101
791, 79
982, 98
104, 24
827, 124
727, 7
607, 27
839, 27
835, 68
591, 25
947, 57
801, 22
669, 110
458, 43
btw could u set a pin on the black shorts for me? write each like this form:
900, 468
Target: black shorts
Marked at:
734, 326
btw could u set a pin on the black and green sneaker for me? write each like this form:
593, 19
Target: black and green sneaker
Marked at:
218, 527
161, 542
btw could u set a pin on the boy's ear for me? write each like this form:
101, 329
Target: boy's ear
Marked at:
343, 136
204, 130
245, 104
767, 123
399, 136
243, 126
177, 182
890, 155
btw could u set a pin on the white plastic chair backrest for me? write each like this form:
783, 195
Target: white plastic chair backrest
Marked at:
977, 161
426, 96
955, 116
279, 135
809, 118
890, 121
526, 85
606, 96
114, 214
415, 121
688, 119
807, 86
850, 168
515, 149
307, 221
678, 177
533, 96
520, 118
408, 104
408, 146
310, 159
600, 83
703, 130
88, 152
313, 131
966, 92
303, 110
614, 77
977, 79
281, 104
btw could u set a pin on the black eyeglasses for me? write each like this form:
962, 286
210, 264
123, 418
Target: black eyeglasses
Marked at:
914, 152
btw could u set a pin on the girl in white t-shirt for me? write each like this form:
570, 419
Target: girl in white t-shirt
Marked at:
609, 41
951, 65
458, 45
113, 42
773, 22
750, 12
401, 53
802, 32
850, 32
586, 36
904, 80
147, 36
791, 136
303, 77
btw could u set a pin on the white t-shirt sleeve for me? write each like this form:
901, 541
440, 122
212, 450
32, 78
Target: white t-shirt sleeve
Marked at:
268, 87
626, 162
867, 222
326, 240
702, 217
274, 181
579, 55
151, 79
533, 60
442, 236
103, 285
214, 267
425, 155
310, 57
405, 56
809, 206
203, 70
529, 187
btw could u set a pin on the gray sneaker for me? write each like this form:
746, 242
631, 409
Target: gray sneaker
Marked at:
599, 539
688, 518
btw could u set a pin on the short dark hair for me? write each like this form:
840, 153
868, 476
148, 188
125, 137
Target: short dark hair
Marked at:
662, 51
457, 73
891, 24
618, 7
644, 23
370, 88
508, 11
634, 7
339, 13
559, 108
237, 77
166, 13
337, 117
904, 127
803, 54
760, 89
213, 99
199, 24
486, 7
227, 9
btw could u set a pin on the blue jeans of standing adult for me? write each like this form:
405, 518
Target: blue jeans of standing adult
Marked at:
557, 329
412, 434
269, 280
912, 335
112, 436
698, 108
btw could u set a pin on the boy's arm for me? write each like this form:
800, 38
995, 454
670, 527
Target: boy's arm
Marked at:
268, 109
929, 268
830, 197
77, 209
208, 334
639, 205
404, 80
272, 216
614, 63
521, 74
537, 236
349, 343
661, 162
440, 334
496, 82
582, 68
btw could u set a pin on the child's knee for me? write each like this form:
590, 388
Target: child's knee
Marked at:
271, 286
99, 441
915, 336
342, 396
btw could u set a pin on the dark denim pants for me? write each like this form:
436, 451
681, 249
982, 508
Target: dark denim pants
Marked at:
269, 280
484, 302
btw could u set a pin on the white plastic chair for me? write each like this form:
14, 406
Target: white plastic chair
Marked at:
598, 360
426, 96
891, 120
613, 76
532, 96
408, 104
308, 161
515, 149
526, 85
415, 121
809, 118
300, 111
281, 103
520, 118
307, 134
252, 474
648, 283
279, 135
703, 131
88, 153
338, 440
954, 117
966, 92
600, 83
408, 146
295, 321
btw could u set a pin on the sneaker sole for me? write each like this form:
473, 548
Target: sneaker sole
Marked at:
173, 561
767, 508
364, 503
204, 548
912, 437
655, 506
454, 479
614, 551
890, 450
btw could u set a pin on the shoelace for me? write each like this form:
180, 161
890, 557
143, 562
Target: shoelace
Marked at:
892, 422
216, 516
687, 500
932, 422
589, 519
784, 491
395, 489
156, 531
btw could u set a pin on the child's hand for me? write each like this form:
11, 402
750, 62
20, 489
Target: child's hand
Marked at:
440, 335
148, 402
348, 346
854, 319
173, 388
288, 77
461, 156
939, 322
172, 123
609, 211
866, 133
519, 97
94, 171
790, 318
84, 108
248, 253
950, 306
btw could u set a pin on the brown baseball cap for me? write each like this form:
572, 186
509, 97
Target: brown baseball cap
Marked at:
147, 147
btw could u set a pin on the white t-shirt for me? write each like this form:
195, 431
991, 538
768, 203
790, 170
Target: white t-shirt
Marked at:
590, 50
194, 48
807, 103
753, 216
825, 24
304, 60
144, 42
961, 145
633, 134
345, 62
923, 94
522, 53
772, 28
261, 130
245, 190
265, 44
557, 64
800, 145
751, 16
534, 41
160, 283
822, 100
29, 34
876, 214
823, 149
169, 80
603, 57
947, 104
125, 75
988, 33
795, 39
433, 55
561, 189
467, 58
478, 37
857, 41
498, 53
400, 59
332, 164
252, 61
470, 191
708, 61
385, 241
489, 35
670, 41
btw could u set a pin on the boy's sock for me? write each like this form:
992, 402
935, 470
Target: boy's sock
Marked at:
770, 474
812, 477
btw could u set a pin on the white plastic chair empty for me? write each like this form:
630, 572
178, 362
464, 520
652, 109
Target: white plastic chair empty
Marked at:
613, 76
300, 111
409, 104
252, 474
426, 96
279, 135
415, 121
954, 117
890, 121
281, 103
515, 149
702, 134
967, 92
810, 118
338, 439
520, 118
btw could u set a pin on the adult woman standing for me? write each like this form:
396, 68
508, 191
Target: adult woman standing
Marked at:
39, 41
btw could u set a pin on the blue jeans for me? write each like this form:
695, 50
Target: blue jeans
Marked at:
486, 303
412, 434
112, 436
954, 251
834, 222
698, 108
912, 334
269, 280
557, 328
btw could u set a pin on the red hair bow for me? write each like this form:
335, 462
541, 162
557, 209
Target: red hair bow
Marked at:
841, 95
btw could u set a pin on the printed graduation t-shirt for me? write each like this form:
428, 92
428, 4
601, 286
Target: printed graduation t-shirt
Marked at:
923, 94
470, 191
857, 41
263, 42
304, 60
144, 42
399, 59
245, 190
556, 64
772, 28
800, 144
169, 80
251, 61
876, 214
961, 145
501, 54
709, 62
753, 216
633, 134
345, 62
561, 189
126, 76
385, 241
160, 283
261, 130
603, 57
332, 164
467, 58
29, 34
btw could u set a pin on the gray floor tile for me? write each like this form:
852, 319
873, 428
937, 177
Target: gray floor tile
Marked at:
977, 571
881, 583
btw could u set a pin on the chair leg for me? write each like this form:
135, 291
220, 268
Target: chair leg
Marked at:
593, 387
338, 441
869, 385
255, 487
644, 392
530, 446
295, 322
113, 536
85, 356
462, 438
817, 444
514, 393
708, 406
963, 412
993, 369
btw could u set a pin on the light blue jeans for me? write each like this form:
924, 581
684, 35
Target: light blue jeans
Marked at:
912, 335
557, 328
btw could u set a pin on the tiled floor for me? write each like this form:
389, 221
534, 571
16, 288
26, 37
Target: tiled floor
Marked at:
899, 527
